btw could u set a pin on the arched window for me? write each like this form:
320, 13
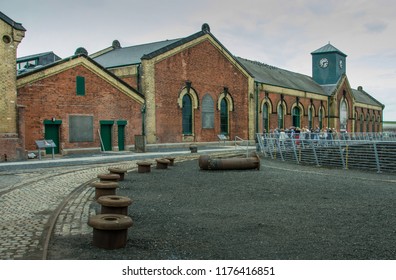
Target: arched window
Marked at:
280, 116
224, 117
207, 112
367, 123
373, 124
361, 122
296, 116
343, 115
321, 118
187, 114
310, 117
265, 117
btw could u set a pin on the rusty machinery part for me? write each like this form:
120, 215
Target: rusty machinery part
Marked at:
208, 163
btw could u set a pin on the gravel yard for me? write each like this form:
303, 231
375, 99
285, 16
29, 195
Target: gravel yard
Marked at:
282, 211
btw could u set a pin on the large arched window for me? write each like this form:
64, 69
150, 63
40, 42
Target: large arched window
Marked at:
207, 112
343, 115
296, 116
265, 114
187, 114
310, 117
373, 124
281, 114
367, 123
361, 122
224, 117
320, 118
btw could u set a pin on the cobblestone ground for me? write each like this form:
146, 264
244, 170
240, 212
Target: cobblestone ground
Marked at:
29, 200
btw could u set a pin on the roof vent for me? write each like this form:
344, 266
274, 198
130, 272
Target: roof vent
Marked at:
116, 44
81, 50
206, 28
360, 88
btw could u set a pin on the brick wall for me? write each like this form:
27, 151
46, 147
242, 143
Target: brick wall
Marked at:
209, 71
11, 147
55, 97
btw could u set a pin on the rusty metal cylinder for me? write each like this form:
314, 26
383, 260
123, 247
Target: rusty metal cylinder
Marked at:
207, 163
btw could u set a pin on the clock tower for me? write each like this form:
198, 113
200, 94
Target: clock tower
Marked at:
328, 65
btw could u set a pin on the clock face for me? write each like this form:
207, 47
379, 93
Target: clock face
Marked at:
340, 63
323, 63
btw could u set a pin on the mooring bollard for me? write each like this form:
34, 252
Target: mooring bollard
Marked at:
114, 204
144, 166
110, 231
162, 163
193, 148
171, 160
109, 177
104, 188
119, 171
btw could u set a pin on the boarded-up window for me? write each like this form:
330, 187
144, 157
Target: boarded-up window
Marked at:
207, 112
80, 128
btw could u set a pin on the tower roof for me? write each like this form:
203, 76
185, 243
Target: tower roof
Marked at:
329, 48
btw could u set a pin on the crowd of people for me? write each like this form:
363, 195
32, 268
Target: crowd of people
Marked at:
300, 134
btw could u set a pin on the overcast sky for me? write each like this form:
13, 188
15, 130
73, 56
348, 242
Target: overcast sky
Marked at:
280, 33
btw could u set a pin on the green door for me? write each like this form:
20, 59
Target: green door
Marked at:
121, 137
52, 133
105, 133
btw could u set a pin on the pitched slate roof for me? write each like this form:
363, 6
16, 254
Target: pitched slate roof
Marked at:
363, 97
329, 48
16, 25
130, 55
271, 75
262, 73
76, 56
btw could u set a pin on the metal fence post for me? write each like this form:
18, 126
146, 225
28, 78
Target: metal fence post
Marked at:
341, 154
377, 161
315, 155
294, 150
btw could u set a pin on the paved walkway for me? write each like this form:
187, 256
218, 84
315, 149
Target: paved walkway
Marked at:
38, 198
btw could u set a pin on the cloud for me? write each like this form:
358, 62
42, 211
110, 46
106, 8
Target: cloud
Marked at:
375, 27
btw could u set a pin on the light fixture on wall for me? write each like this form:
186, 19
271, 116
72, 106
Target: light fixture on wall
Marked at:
188, 85
225, 91
266, 95
53, 119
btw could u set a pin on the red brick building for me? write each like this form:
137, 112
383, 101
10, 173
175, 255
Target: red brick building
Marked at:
183, 91
235, 96
80, 105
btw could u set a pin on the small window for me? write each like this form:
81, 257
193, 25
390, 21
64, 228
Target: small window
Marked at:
80, 85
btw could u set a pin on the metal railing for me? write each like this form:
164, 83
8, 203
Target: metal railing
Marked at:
366, 151
240, 143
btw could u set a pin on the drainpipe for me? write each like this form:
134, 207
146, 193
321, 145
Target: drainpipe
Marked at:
143, 110
328, 111
257, 108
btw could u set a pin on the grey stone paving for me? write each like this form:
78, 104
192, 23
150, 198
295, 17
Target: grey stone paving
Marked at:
30, 200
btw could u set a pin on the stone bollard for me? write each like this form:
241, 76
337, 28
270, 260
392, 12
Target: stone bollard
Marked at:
193, 148
162, 163
109, 177
110, 231
144, 166
114, 204
104, 188
119, 171
171, 161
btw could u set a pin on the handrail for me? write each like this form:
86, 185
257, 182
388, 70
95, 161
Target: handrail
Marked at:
369, 151
236, 139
